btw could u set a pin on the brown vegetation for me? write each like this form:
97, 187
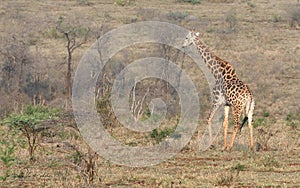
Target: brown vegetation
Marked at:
260, 38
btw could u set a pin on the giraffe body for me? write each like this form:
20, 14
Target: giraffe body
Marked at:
228, 90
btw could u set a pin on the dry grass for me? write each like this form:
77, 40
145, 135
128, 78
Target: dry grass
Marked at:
62, 163
264, 49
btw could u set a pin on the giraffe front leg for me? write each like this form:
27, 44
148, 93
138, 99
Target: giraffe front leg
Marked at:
209, 128
236, 116
236, 128
209, 132
251, 136
213, 110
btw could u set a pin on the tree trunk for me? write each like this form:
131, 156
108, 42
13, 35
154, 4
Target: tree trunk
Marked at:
68, 80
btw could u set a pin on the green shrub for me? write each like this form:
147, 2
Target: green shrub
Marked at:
251, 4
177, 15
269, 161
27, 122
63, 27
191, 1
266, 113
261, 121
52, 33
293, 120
225, 180
120, 2
159, 135
229, 178
7, 152
84, 2
238, 167
277, 18
146, 114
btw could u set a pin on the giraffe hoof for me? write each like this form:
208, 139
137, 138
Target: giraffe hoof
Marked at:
224, 148
257, 147
212, 147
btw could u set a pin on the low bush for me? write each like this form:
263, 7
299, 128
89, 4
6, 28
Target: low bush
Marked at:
30, 121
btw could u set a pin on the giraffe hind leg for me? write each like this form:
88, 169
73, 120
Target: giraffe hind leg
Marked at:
225, 126
250, 114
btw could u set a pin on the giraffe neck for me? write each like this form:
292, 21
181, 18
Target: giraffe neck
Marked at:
218, 67
208, 57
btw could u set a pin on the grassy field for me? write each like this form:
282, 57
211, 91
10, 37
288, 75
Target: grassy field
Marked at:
260, 38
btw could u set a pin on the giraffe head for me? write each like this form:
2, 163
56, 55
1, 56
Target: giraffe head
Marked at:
190, 38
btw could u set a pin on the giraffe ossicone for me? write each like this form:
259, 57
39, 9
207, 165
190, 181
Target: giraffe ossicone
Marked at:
229, 90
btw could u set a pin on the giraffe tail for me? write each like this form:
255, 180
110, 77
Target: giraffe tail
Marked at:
249, 112
243, 122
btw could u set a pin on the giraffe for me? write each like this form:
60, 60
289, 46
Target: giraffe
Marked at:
228, 90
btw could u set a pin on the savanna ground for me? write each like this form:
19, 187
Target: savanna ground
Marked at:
260, 38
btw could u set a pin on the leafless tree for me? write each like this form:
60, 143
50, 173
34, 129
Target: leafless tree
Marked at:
75, 36
16, 56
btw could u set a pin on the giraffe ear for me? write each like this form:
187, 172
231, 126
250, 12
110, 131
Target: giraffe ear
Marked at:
197, 34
